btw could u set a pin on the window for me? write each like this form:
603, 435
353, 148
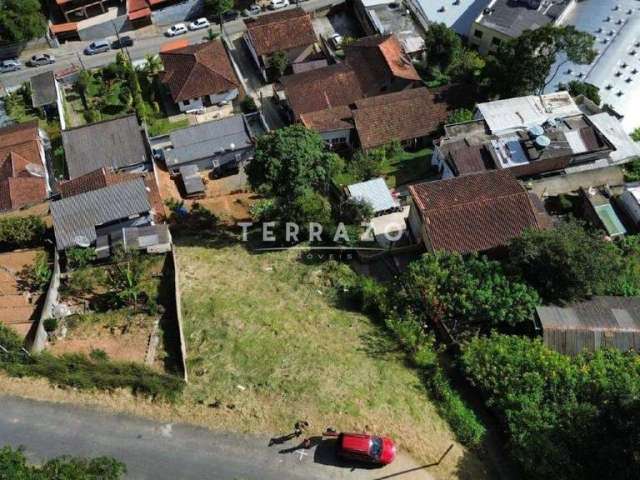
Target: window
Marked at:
496, 41
186, 102
478, 33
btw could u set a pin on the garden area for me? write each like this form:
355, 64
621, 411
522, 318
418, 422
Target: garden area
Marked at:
119, 89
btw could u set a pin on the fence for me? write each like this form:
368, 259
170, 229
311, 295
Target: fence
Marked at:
178, 307
177, 13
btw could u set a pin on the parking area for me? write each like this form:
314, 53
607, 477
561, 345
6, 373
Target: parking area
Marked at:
340, 21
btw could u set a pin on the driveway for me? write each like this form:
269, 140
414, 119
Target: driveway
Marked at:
166, 451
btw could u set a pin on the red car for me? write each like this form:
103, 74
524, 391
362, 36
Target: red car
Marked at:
366, 448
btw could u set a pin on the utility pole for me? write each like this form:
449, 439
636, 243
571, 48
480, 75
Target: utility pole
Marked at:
81, 62
126, 49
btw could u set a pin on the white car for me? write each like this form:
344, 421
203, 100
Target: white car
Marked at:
276, 4
199, 24
10, 65
177, 29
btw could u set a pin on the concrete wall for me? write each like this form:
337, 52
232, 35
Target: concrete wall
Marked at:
178, 306
105, 29
50, 302
189, 9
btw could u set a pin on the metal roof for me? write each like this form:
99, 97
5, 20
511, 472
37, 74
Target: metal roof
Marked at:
191, 180
592, 324
522, 112
116, 144
512, 18
76, 217
610, 220
616, 70
43, 89
207, 139
375, 192
613, 130
456, 15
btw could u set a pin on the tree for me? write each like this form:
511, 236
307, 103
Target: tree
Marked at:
21, 20
589, 90
13, 465
632, 168
278, 63
442, 45
522, 66
467, 294
460, 115
125, 277
291, 161
356, 211
153, 65
308, 207
566, 263
217, 8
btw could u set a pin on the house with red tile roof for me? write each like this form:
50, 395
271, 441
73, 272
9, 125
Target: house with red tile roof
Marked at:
199, 75
373, 66
23, 178
480, 212
288, 31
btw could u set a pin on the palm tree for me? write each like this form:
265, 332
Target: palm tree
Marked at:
153, 65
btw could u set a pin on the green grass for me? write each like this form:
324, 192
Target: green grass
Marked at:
162, 126
409, 167
263, 334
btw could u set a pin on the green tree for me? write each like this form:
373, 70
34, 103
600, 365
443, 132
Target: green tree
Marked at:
632, 169
468, 294
218, 8
291, 161
311, 206
589, 90
460, 115
278, 63
125, 277
152, 66
14, 466
566, 263
355, 211
522, 66
21, 20
442, 46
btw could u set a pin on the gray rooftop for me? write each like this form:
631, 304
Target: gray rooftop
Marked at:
592, 324
375, 192
79, 215
116, 144
191, 180
456, 15
43, 89
389, 16
208, 139
512, 17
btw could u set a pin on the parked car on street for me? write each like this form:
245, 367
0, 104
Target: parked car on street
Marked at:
40, 59
252, 11
199, 24
276, 4
10, 65
335, 41
230, 15
97, 46
365, 448
177, 29
123, 41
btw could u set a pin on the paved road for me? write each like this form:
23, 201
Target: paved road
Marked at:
71, 52
165, 451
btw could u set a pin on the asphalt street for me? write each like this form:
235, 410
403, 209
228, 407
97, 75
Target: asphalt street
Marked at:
172, 451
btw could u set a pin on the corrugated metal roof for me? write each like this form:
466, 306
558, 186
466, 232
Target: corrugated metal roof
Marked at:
78, 216
592, 324
374, 192
191, 180
113, 144
207, 139
43, 89
456, 15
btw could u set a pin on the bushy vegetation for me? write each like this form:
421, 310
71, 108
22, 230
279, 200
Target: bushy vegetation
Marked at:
35, 277
566, 418
21, 232
570, 263
78, 371
632, 169
589, 90
79, 257
14, 466
379, 301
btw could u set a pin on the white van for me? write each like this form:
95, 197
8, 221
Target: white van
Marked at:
276, 4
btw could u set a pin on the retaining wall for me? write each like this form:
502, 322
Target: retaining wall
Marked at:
50, 301
178, 307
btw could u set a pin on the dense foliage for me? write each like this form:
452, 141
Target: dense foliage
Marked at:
589, 90
632, 169
78, 371
566, 418
522, 66
217, 8
14, 466
460, 115
21, 20
21, 232
570, 263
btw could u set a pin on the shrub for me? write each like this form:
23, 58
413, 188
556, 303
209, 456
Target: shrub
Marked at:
78, 257
21, 232
50, 325
632, 169
35, 278
248, 104
98, 355
460, 115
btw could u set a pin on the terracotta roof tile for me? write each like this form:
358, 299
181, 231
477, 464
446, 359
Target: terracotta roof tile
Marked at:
198, 70
337, 118
475, 212
22, 139
281, 31
332, 86
465, 159
399, 116
21, 191
103, 178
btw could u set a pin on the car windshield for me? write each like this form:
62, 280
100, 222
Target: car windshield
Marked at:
376, 447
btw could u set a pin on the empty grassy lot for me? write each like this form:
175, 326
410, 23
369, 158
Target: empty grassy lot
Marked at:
267, 346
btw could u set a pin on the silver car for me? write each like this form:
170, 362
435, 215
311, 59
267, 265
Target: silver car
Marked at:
11, 65
41, 59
